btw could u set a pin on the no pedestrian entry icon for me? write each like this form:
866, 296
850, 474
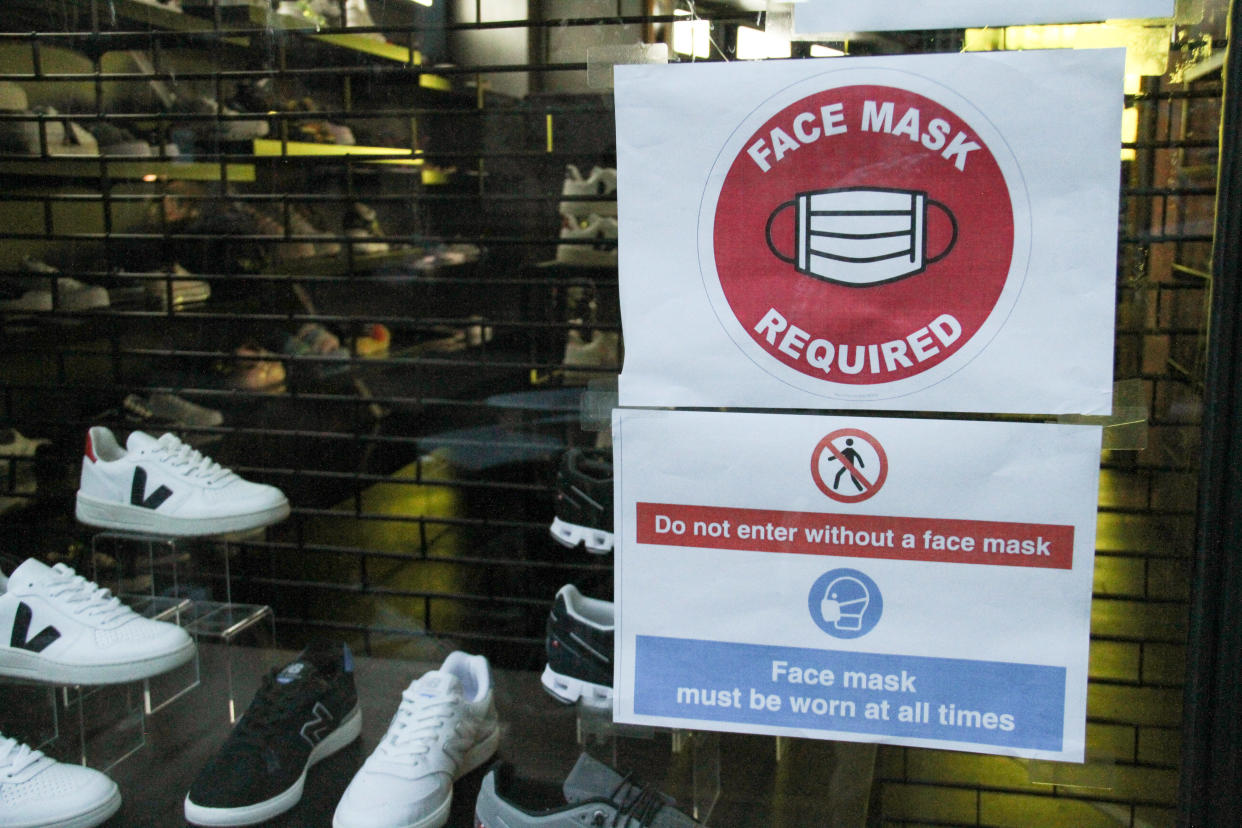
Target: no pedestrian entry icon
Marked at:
849, 465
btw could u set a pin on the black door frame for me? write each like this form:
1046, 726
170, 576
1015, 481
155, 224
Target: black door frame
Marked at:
1210, 793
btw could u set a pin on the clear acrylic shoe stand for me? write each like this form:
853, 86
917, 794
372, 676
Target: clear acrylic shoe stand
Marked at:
98, 726
30, 712
599, 736
103, 724
186, 581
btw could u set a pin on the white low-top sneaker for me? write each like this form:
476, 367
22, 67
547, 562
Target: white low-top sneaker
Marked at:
445, 727
39, 792
165, 487
58, 627
600, 183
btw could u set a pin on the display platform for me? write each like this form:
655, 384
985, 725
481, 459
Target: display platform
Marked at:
814, 784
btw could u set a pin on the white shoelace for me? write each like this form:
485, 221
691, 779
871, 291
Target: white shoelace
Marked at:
15, 757
181, 455
84, 597
417, 726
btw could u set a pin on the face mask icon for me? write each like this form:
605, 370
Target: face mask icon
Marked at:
845, 601
860, 236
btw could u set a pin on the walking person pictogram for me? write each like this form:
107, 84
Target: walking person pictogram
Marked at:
851, 460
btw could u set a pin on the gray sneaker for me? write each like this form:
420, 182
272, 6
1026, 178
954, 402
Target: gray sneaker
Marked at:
593, 795
34, 291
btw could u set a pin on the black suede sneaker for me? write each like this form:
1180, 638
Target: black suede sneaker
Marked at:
584, 500
579, 646
304, 712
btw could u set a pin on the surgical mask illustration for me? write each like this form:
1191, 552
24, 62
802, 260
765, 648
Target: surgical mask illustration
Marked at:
860, 236
845, 601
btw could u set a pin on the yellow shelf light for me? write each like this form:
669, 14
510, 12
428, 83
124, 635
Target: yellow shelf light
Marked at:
270, 147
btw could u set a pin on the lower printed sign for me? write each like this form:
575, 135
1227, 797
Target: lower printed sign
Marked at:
949, 607
988, 703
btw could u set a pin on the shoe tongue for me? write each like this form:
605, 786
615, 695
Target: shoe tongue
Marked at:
140, 441
32, 570
590, 779
296, 671
437, 684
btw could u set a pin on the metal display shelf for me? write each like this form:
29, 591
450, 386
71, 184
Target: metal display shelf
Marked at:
355, 42
144, 169
163, 17
265, 17
395, 156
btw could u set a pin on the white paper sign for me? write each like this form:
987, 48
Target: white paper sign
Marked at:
816, 16
882, 580
935, 232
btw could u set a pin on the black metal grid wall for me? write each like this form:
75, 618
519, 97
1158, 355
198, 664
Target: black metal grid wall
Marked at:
348, 243
408, 186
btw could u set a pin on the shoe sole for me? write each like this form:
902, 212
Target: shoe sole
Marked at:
349, 730
569, 689
474, 757
15, 663
595, 541
87, 819
105, 515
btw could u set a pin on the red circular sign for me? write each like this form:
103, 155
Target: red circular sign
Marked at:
849, 465
863, 234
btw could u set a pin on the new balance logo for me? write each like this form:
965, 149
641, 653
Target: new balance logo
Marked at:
21, 627
318, 727
138, 491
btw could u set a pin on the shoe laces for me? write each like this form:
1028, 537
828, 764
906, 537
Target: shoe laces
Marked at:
417, 725
640, 803
194, 462
271, 706
83, 597
15, 757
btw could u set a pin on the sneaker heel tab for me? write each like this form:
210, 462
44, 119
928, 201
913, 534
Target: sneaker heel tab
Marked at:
347, 658
89, 449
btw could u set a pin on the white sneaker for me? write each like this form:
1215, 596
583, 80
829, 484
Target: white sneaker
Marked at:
165, 487
71, 295
39, 792
303, 10
358, 15
445, 727
601, 183
182, 287
62, 136
58, 627
600, 230
363, 223
596, 358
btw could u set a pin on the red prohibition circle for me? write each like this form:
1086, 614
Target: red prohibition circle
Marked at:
826, 444
776, 223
